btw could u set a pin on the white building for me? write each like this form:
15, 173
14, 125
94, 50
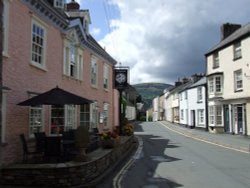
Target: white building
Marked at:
228, 77
156, 107
168, 105
193, 105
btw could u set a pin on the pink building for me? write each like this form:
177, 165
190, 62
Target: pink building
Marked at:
46, 45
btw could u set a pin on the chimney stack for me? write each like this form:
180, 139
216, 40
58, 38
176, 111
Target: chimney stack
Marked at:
227, 29
73, 6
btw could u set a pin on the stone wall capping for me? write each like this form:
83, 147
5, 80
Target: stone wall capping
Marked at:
68, 174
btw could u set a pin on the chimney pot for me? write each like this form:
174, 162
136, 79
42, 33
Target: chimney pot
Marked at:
73, 6
227, 29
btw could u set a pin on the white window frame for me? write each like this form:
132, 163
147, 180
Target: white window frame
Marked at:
73, 60
238, 80
199, 94
211, 85
237, 50
218, 84
59, 4
201, 117
85, 116
216, 61
106, 115
70, 117
94, 71
211, 116
215, 84
36, 119
182, 114
93, 115
80, 66
215, 115
105, 76
42, 26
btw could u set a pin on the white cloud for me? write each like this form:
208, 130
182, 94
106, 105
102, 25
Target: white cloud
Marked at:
162, 40
95, 31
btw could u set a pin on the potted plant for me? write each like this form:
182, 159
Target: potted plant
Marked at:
128, 129
109, 139
81, 143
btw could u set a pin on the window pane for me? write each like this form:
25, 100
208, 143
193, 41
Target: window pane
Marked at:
218, 84
37, 43
35, 119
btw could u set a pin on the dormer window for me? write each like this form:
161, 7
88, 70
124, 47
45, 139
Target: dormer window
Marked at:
73, 57
72, 60
59, 4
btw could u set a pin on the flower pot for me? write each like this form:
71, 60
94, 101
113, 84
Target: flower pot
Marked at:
106, 144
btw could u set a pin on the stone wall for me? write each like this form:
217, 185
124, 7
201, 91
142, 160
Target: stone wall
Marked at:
70, 174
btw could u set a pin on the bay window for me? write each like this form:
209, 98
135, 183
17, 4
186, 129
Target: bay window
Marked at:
215, 84
73, 58
215, 115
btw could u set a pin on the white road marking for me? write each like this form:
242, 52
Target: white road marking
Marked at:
118, 178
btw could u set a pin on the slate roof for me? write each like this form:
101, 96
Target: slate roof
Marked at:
200, 82
64, 22
240, 33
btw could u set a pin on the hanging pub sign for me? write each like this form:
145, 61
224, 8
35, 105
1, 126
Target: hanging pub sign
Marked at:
121, 77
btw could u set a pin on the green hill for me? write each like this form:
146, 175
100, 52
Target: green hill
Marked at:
148, 91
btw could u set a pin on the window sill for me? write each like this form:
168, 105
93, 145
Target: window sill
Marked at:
237, 58
71, 78
216, 126
238, 90
43, 68
5, 54
94, 86
215, 67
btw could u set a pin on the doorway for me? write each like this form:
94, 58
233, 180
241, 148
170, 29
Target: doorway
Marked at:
192, 118
226, 119
238, 118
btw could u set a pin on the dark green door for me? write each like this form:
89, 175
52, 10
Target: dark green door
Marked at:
226, 119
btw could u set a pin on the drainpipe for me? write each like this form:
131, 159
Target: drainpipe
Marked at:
206, 105
1, 84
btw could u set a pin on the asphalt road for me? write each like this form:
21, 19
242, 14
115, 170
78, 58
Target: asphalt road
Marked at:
168, 159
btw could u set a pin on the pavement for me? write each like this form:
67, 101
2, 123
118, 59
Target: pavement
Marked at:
238, 143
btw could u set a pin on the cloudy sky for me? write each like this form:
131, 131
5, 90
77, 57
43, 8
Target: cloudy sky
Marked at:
162, 40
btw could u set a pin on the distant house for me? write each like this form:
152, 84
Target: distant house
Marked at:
46, 46
171, 101
168, 104
131, 95
158, 108
228, 77
193, 103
